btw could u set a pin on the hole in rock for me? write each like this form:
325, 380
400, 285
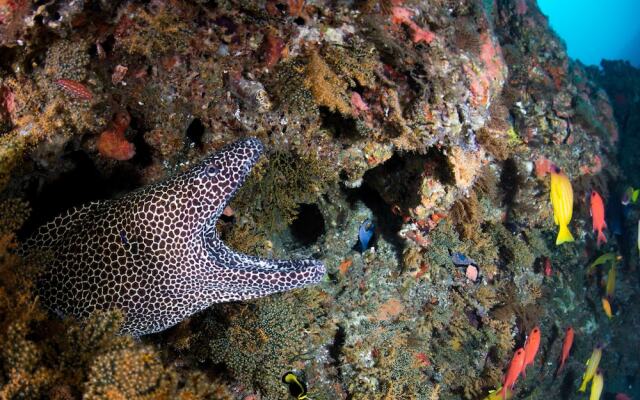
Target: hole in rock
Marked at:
80, 184
143, 156
308, 225
387, 224
338, 343
510, 183
341, 127
398, 180
195, 132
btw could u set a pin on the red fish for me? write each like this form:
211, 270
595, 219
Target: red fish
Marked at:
75, 88
515, 367
547, 267
597, 215
531, 349
566, 347
622, 396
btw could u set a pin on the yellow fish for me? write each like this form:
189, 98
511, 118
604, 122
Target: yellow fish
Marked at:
606, 306
592, 366
496, 395
611, 281
596, 386
297, 385
562, 202
607, 258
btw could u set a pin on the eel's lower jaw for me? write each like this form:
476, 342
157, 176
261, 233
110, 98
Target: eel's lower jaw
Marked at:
316, 269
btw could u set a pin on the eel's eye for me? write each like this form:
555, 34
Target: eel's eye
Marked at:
211, 170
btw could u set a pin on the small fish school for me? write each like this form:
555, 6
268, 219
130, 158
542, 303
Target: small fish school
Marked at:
561, 195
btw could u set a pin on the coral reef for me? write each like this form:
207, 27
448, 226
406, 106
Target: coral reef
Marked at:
438, 121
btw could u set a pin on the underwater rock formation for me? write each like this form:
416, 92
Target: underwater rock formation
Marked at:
437, 121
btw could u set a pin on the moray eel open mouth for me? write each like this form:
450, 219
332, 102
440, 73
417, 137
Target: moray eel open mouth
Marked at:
155, 253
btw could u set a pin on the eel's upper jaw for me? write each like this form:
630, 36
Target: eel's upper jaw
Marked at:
251, 150
242, 155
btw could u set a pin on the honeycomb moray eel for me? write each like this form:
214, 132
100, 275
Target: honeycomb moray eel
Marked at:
155, 252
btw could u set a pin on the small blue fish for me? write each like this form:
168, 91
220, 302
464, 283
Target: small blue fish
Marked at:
365, 233
460, 259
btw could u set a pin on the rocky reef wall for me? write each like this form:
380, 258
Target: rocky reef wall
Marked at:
437, 120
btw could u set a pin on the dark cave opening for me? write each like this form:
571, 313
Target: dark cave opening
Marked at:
340, 126
510, 183
195, 132
335, 349
143, 156
309, 225
398, 179
80, 183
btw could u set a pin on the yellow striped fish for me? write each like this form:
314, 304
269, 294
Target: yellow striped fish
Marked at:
592, 367
562, 202
596, 386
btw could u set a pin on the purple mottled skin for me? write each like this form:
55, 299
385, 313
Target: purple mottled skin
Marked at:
155, 253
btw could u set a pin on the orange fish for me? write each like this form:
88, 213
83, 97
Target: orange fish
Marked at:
606, 306
566, 347
515, 367
597, 216
531, 349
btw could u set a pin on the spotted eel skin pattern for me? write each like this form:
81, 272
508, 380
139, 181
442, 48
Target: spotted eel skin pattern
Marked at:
155, 252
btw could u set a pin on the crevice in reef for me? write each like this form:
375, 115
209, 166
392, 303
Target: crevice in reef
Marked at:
336, 348
308, 226
143, 156
195, 131
341, 127
510, 182
81, 183
398, 180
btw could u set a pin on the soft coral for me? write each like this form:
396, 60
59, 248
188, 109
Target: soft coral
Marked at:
112, 143
401, 15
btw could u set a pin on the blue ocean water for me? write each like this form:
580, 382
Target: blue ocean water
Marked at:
597, 29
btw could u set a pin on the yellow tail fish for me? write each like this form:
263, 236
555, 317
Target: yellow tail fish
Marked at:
592, 367
596, 386
562, 202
